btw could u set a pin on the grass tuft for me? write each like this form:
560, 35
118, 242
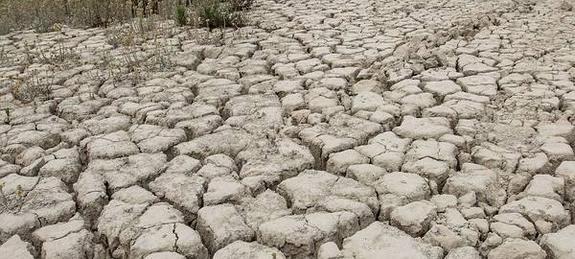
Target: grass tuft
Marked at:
181, 15
218, 14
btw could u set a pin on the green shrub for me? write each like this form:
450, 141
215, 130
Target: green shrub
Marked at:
181, 15
218, 14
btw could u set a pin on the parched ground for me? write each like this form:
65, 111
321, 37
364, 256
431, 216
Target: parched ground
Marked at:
327, 129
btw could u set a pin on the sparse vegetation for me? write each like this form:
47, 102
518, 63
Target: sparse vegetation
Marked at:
135, 32
117, 36
42, 15
131, 65
130, 25
50, 15
59, 56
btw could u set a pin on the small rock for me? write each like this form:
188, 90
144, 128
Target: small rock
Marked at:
15, 248
241, 249
414, 218
560, 244
380, 239
517, 249
221, 225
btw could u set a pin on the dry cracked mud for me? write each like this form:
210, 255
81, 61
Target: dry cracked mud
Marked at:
326, 129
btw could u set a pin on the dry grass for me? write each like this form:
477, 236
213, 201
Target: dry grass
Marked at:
30, 89
46, 15
129, 62
41, 15
136, 31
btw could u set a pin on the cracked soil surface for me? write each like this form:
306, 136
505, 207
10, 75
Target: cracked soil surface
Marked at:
327, 129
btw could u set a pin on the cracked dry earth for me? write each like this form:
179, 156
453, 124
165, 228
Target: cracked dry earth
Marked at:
327, 129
